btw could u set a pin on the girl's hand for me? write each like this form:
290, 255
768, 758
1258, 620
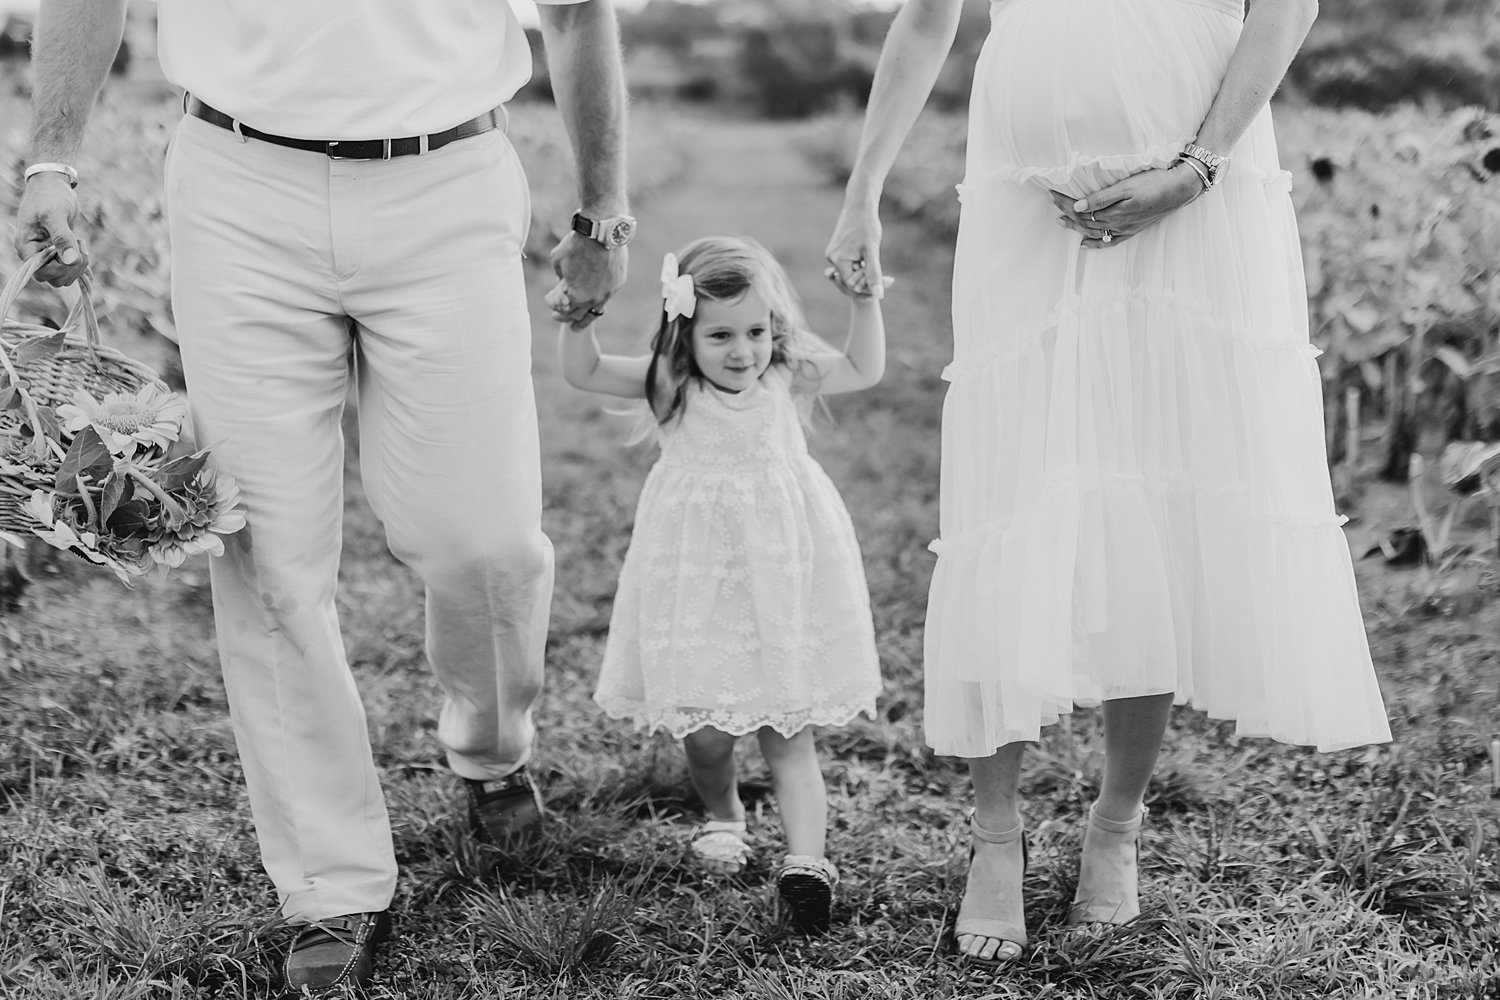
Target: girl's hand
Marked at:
1128, 206
854, 252
832, 274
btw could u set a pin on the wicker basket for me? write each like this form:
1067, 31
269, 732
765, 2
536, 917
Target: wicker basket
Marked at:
82, 363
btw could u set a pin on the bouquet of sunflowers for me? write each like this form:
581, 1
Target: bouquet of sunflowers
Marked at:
92, 456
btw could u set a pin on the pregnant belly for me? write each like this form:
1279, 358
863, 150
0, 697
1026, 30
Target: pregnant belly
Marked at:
1063, 81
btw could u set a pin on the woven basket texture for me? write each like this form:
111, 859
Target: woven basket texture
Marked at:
82, 363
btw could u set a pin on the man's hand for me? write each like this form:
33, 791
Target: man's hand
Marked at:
1128, 206
588, 274
44, 221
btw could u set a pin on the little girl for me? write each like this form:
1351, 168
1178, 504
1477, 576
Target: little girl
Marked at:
742, 604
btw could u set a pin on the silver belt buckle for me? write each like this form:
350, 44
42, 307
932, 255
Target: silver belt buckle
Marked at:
329, 148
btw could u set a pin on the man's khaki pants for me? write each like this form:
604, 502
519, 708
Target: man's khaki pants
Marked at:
286, 267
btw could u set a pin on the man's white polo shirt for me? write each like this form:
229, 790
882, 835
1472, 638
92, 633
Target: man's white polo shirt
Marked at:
346, 69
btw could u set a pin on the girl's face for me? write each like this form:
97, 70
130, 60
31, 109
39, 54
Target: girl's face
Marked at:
732, 340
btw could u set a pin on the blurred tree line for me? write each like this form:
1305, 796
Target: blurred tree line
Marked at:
793, 58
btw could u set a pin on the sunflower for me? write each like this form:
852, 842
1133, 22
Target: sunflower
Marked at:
208, 507
150, 418
56, 530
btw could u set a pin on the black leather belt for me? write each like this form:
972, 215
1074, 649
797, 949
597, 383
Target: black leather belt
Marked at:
354, 149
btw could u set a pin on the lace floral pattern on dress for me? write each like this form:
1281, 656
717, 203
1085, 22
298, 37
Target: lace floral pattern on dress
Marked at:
742, 602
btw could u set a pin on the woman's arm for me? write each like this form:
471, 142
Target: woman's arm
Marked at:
860, 365
584, 366
1273, 32
910, 61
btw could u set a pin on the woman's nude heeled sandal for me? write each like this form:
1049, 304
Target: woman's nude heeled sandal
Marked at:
1006, 932
1108, 876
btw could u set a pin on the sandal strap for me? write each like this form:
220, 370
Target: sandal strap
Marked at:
722, 841
723, 826
1115, 825
807, 864
994, 836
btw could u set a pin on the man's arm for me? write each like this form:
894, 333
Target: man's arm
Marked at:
76, 40
588, 83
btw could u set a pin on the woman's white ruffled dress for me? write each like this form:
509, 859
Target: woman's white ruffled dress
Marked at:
742, 601
1135, 494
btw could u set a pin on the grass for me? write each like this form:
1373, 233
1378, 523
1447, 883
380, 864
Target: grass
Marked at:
128, 867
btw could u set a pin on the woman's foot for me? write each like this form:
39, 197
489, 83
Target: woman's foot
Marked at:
1108, 880
805, 885
991, 925
720, 846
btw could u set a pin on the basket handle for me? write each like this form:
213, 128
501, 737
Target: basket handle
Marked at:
82, 310
84, 307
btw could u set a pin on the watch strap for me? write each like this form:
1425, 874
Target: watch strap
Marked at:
584, 226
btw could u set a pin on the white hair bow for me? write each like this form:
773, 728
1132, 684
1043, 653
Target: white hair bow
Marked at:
677, 293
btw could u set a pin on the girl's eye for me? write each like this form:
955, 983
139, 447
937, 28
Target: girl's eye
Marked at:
756, 333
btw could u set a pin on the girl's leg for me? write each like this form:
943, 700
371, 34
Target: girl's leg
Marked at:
1108, 882
710, 759
993, 895
797, 781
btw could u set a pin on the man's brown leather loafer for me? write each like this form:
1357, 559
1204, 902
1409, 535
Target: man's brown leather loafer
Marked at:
505, 812
335, 952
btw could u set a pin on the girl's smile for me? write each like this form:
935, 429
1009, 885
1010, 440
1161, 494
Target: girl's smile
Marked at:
732, 340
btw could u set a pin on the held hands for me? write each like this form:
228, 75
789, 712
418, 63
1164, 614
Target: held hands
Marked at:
1126, 207
44, 221
588, 274
854, 253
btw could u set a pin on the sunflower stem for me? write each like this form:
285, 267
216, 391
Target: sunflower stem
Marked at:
171, 509
88, 504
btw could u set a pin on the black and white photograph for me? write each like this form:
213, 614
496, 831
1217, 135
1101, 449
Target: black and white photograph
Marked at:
750, 499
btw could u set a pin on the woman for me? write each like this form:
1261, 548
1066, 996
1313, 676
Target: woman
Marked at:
1135, 499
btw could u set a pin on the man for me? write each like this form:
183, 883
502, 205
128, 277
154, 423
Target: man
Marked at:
342, 186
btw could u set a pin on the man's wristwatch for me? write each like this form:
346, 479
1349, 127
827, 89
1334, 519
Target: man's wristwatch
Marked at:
612, 232
1214, 165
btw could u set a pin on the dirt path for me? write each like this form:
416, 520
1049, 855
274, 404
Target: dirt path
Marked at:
751, 178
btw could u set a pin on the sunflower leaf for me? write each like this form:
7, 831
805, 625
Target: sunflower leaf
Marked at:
87, 455
47, 419
180, 471
10, 399
37, 348
133, 517
114, 492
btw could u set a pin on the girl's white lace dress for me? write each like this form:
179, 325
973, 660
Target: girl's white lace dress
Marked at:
1135, 495
742, 602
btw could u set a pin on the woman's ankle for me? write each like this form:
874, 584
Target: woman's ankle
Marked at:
1117, 816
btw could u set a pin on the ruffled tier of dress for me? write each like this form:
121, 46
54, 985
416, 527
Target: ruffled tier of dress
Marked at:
1135, 494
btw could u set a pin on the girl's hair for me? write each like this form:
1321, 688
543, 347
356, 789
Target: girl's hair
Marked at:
723, 268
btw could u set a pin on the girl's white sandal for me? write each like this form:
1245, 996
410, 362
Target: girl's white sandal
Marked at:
805, 885
720, 846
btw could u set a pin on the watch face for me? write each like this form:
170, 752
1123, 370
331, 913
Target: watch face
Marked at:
619, 233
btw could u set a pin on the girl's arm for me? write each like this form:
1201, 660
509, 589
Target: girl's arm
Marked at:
1273, 32
861, 363
910, 61
584, 366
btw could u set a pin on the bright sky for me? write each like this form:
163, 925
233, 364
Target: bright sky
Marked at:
527, 9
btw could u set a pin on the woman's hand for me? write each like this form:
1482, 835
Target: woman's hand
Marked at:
854, 251
1128, 206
